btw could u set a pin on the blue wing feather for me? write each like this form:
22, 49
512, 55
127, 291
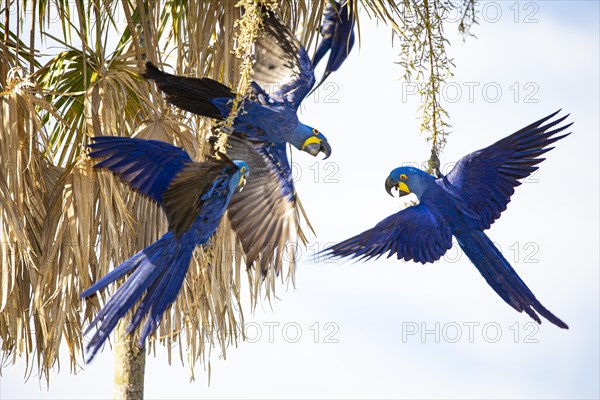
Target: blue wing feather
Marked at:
330, 21
323, 48
485, 179
277, 157
338, 37
264, 214
146, 165
411, 234
283, 67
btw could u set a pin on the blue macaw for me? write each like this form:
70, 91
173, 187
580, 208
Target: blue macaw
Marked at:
338, 36
463, 203
282, 77
194, 197
266, 215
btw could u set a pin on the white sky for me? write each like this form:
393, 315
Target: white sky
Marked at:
476, 346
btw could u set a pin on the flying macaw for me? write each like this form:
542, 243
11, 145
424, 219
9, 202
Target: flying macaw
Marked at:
282, 77
266, 214
338, 36
463, 203
194, 197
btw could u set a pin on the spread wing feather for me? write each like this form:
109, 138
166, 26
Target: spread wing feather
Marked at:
146, 165
265, 214
282, 67
486, 179
411, 234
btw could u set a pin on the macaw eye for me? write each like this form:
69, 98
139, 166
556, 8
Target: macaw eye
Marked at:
315, 131
243, 170
403, 177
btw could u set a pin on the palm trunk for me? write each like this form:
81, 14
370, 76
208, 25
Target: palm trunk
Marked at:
130, 361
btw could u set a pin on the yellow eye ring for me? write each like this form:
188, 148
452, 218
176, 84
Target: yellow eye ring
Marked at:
403, 177
315, 131
243, 170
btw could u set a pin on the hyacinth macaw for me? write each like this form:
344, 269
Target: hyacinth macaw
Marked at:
338, 36
282, 77
194, 197
266, 214
463, 203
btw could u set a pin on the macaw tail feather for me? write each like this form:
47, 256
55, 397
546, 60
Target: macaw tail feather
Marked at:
158, 271
191, 94
502, 277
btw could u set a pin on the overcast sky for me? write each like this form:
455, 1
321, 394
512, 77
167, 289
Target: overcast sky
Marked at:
399, 329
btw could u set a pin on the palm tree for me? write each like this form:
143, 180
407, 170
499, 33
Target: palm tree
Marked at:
69, 71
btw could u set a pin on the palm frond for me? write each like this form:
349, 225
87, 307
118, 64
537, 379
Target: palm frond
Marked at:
25, 184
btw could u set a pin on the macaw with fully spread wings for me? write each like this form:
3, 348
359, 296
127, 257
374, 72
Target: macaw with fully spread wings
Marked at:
194, 196
463, 204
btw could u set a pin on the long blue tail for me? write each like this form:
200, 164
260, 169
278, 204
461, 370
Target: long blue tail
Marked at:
502, 277
158, 271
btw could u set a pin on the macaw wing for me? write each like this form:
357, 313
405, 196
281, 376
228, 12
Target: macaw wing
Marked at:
327, 30
282, 67
338, 36
189, 189
264, 214
148, 166
486, 179
414, 233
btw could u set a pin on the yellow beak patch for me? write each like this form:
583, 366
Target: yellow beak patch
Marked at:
310, 140
403, 187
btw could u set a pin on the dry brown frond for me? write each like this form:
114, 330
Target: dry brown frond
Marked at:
26, 179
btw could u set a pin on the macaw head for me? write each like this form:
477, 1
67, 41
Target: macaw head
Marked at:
240, 177
407, 180
311, 140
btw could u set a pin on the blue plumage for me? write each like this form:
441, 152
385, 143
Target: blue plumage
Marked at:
146, 165
194, 197
266, 215
338, 37
463, 203
276, 155
282, 77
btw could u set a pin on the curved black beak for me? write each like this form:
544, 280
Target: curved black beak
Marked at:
325, 149
315, 148
389, 184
